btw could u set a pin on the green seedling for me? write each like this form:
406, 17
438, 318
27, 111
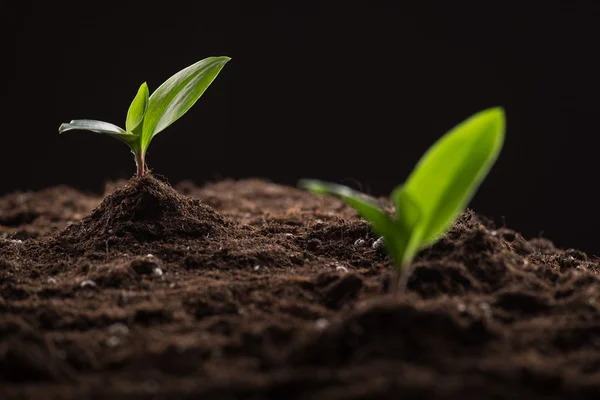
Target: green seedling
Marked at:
436, 192
149, 115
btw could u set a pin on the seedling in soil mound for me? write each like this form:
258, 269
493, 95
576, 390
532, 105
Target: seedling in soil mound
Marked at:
149, 115
437, 191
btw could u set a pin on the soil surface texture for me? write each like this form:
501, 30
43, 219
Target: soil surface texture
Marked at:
252, 290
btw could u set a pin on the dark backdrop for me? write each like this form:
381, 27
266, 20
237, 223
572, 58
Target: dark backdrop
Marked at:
343, 91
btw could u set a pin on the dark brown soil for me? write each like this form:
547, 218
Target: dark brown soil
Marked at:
251, 290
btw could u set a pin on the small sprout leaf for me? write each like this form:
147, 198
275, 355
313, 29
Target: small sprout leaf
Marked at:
436, 192
99, 127
137, 109
178, 94
148, 115
449, 173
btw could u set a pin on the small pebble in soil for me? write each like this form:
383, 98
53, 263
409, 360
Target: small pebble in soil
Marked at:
113, 341
485, 307
256, 267
461, 308
17, 241
118, 328
378, 244
341, 268
88, 283
148, 265
576, 254
359, 242
321, 323
52, 281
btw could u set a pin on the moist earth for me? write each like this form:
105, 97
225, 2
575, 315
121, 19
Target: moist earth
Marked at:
252, 290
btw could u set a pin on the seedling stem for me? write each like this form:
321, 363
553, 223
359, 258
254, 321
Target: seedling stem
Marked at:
140, 164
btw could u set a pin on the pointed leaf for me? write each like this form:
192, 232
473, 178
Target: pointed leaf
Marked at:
99, 127
449, 173
178, 94
137, 109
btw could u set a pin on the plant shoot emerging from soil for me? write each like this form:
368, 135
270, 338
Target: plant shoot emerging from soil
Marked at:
150, 114
437, 191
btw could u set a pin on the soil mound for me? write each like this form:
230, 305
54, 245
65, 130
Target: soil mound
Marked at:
144, 210
147, 217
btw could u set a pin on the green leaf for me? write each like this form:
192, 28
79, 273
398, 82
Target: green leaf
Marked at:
449, 173
137, 109
99, 127
178, 94
439, 188
408, 220
408, 210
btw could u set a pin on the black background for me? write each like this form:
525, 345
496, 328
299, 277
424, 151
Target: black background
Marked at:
351, 92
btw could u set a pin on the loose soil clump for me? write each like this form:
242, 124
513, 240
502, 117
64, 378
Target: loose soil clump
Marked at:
252, 290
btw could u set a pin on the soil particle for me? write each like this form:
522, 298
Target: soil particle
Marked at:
269, 292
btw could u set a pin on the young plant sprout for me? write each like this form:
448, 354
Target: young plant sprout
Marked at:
436, 192
149, 115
